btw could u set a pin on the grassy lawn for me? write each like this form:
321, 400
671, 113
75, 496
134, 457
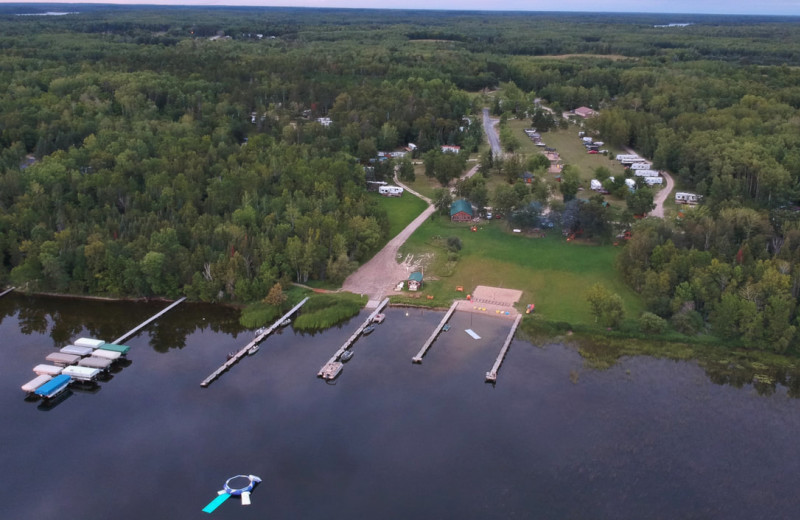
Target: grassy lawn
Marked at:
552, 273
401, 210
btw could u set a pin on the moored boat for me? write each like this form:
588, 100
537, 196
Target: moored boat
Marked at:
82, 373
95, 362
253, 350
35, 383
53, 387
346, 355
379, 318
89, 342
368, 330
77, 351
61, 359
50, 370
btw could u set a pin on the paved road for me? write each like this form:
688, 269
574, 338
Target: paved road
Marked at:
491, 133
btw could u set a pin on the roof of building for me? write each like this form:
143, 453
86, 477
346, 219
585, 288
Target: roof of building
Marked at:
460, 205
416, 276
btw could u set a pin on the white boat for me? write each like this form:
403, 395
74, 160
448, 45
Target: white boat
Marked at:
253, 350
89, 342
35, 383
82, 373
76, 351
48, 370
107, 354
379, 318
260, 331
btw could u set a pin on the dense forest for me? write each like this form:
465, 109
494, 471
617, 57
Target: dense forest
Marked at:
165, 151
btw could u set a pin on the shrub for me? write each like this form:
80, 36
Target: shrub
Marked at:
651, 323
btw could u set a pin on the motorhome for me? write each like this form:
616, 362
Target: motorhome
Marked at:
390, 191
686, 198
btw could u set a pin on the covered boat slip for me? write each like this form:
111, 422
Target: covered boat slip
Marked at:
95, 362
61, 359
89, 342
122, 349
49, 370
77, 351
53, 387
35, 383
106, 354
82, 373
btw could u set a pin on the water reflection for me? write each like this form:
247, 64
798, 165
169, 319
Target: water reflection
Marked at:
64, 319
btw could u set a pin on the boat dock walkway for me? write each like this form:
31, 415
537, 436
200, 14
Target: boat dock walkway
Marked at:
491, 376
241, 353
328, 369
147, 322
436, 331
6, 291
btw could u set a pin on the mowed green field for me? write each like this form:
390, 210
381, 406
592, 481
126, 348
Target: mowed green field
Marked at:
401, 210
552, 273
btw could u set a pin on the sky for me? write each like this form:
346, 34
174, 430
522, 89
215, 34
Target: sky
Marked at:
758, 7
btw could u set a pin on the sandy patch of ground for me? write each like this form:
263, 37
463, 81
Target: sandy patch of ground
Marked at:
495, 301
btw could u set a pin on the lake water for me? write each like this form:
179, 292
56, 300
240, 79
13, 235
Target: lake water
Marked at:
391, 440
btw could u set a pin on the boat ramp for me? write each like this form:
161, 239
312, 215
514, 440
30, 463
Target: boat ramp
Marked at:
332, 368
491, 376
418, 358
244, 350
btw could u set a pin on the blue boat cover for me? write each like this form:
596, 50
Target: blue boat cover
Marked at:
216, 503
53, 384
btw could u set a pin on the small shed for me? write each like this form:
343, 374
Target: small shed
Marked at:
461, 211
527, 177
415, 281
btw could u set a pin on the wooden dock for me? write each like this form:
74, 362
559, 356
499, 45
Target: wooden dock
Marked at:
330, 369
243, 352
491, 376
6, 292
147, 322
436, 331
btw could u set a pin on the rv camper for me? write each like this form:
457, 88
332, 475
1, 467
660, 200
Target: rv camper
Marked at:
390, 191
686, 198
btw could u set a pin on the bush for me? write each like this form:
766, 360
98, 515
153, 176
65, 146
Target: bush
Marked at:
454, 244
651, 323
687, 322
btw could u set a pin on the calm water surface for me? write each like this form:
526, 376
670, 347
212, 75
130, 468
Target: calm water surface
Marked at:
391, 440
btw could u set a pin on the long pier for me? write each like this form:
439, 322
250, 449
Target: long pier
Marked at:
436, 331
147, 322
330, 368
491, 376
241, 353
6, 292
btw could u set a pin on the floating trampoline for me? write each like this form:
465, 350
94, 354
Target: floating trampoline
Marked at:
240, 485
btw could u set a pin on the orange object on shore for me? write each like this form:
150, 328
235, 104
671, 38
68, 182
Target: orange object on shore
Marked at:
459, 288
